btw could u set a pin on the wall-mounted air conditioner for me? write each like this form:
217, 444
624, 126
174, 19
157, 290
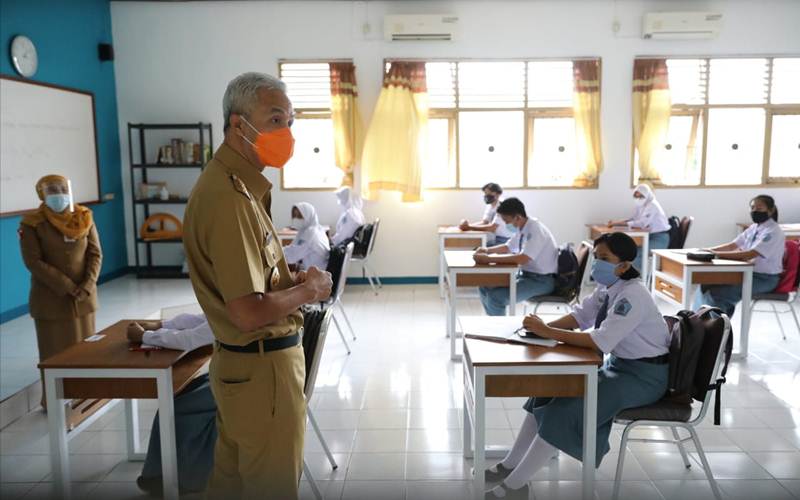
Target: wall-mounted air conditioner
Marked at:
681, 25
420, 27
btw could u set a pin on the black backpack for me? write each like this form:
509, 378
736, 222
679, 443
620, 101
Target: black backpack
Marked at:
312, 321
694, 344
675, 234
335, 262
567, 278
361, 239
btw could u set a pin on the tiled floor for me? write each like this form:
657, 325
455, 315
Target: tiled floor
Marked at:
391, 414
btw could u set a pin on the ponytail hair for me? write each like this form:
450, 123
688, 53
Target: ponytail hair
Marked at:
769, 201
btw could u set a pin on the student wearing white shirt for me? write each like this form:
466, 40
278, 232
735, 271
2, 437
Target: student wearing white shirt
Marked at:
352, 217
763, 243
310, 246
532, 247
490, 222
648, 215
627, 325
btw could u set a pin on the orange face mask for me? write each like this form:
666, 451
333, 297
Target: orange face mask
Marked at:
273, 148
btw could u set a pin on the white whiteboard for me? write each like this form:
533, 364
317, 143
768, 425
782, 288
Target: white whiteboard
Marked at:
45, 130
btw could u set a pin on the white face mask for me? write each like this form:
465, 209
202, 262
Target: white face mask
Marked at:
640, 201
298, 223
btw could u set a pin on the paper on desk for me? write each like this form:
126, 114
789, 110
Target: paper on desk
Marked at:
513, 338
94, 338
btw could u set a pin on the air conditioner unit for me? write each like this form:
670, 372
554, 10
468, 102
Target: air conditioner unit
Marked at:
420, 27
681, 25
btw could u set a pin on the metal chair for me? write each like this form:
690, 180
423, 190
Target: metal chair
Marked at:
335, 300
367, 271
781, 298
664, 413
583, 253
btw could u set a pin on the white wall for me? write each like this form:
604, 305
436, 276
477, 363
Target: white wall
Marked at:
173, 61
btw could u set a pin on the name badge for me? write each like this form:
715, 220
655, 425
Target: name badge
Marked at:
274, 278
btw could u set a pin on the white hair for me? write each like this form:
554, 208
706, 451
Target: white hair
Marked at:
241, 95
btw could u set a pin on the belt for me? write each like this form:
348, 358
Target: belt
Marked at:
265, 345
655, 360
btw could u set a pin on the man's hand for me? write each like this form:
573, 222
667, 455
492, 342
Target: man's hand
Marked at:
135, 332
481, 258
535, 324
464, 225
79, 294
300, 277
319, 282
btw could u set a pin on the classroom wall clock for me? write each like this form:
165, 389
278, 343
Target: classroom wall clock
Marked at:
23, 56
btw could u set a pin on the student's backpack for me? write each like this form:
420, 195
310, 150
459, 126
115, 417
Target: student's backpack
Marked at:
791, 265
566, 285
675, 233
335, 262
361, 240
694, 344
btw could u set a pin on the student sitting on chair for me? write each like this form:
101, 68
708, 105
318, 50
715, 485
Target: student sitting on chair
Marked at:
648, 215
195, 409
762, 243
310, 246
532, 247
628, 326
491, 222
352, 217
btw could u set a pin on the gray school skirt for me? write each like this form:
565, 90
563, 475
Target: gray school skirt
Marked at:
621, 384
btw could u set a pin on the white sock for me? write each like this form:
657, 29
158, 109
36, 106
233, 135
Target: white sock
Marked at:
524, 439
537, 455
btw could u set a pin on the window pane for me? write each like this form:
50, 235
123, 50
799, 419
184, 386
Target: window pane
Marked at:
679, 160
313, 164
738, 81
439, 169
552, 160
786, 80
735, 146
687, 80
440, 79
308, 84
784, 155
491, 84
491, 147
550, 84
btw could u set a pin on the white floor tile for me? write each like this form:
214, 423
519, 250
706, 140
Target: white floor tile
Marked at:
732, 465
748, 490
380, 441
443, 490
370, 490
383, 419
15, 491
24, 468
377, 467
47, 491
760, 440
683, 489
436, 466
434, 440
782, 465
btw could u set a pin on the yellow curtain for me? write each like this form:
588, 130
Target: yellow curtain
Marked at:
586, 111
348, 129
651, 112
394, 147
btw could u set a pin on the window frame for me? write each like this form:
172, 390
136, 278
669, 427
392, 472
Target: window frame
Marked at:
702, 110
308, 114
529, 114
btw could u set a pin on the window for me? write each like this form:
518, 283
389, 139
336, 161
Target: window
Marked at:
312, 166
508, 122
735, 122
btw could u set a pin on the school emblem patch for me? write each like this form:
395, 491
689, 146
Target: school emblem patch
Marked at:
622, 308
767, 238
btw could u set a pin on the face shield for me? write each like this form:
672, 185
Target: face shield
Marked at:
57, 194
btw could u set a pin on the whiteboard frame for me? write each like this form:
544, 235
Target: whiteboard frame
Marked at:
94, 130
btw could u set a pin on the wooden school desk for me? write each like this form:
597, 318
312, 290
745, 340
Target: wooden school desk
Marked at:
453, 238
463, 271
676, 278
640, 236
790, 230
108, 369
493, 370
287, 234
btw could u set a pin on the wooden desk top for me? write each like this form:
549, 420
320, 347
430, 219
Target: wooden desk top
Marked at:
603, 228
483, 353
462, 259
680, 257
455, 231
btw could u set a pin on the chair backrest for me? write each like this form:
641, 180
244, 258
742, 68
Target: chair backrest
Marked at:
686, 224
363, 240
674, 232
343, 257
315, 331
717, 343
374, 235
790, 277
584, 250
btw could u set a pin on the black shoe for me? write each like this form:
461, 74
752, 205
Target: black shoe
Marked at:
520, 494
492, 477
152, 486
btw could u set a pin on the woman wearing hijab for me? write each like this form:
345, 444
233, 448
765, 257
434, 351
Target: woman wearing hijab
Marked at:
310, 246
61, 249
650, 216
352, 217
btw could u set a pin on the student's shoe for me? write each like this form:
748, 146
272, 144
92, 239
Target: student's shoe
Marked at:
495, 493
496, 473
152, 486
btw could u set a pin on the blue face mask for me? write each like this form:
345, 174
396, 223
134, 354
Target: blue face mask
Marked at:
512, 228
603, 272
57, 202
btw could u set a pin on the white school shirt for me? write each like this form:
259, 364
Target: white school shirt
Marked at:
490, 216
537, 242
650, 216
634, 327
185, 332
350, 220
309, 248
768, 240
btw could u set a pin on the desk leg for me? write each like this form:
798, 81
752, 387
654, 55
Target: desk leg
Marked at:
166, 420
441, 267
132, 429
512, 294
56, 419
645, 258
746, 310
688, 289
451, 315
589, 433
479, 462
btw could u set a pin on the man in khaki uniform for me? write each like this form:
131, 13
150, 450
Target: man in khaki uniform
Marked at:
244, 286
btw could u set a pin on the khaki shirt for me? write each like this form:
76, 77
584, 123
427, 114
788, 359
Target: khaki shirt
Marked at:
57, 267
232, 247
